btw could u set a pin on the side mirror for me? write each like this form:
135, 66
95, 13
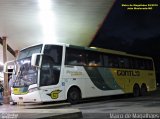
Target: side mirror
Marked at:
35, 60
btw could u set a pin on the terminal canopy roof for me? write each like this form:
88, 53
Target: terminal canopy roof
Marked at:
28, 22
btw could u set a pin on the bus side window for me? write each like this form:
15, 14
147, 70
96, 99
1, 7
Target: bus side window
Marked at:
105, 58
135, 63
74, 57
49, 75
94, 59
110, 62
113, 61
130, 63
149, 64
55, 52
123, 62
141, 63
52, 56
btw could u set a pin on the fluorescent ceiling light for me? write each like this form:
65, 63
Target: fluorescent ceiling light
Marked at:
47, 20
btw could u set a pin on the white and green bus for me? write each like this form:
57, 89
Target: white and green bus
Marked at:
55, 72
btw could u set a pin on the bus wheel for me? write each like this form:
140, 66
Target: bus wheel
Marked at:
74, 95
136, 90
144, 90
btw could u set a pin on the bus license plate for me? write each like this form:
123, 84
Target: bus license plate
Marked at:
20, 98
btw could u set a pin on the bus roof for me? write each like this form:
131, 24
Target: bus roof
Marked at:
61, 44
93, 49
109, 51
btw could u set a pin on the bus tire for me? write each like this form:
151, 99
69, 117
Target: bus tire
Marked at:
144, 90
136, 90
74, 95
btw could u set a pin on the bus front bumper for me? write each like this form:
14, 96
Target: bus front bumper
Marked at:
29, 97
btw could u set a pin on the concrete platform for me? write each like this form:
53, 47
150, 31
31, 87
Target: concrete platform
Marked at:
22, 112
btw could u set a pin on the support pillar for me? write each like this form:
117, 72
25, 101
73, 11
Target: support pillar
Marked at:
6, 92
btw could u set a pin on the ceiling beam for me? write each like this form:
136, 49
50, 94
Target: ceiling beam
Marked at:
8, 48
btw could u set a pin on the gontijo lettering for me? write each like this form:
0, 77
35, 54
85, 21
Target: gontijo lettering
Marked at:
128, 73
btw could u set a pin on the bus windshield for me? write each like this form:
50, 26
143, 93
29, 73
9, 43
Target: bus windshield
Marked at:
29, 51
25, 73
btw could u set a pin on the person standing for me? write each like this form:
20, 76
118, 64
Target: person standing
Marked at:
10, 83
1, 90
